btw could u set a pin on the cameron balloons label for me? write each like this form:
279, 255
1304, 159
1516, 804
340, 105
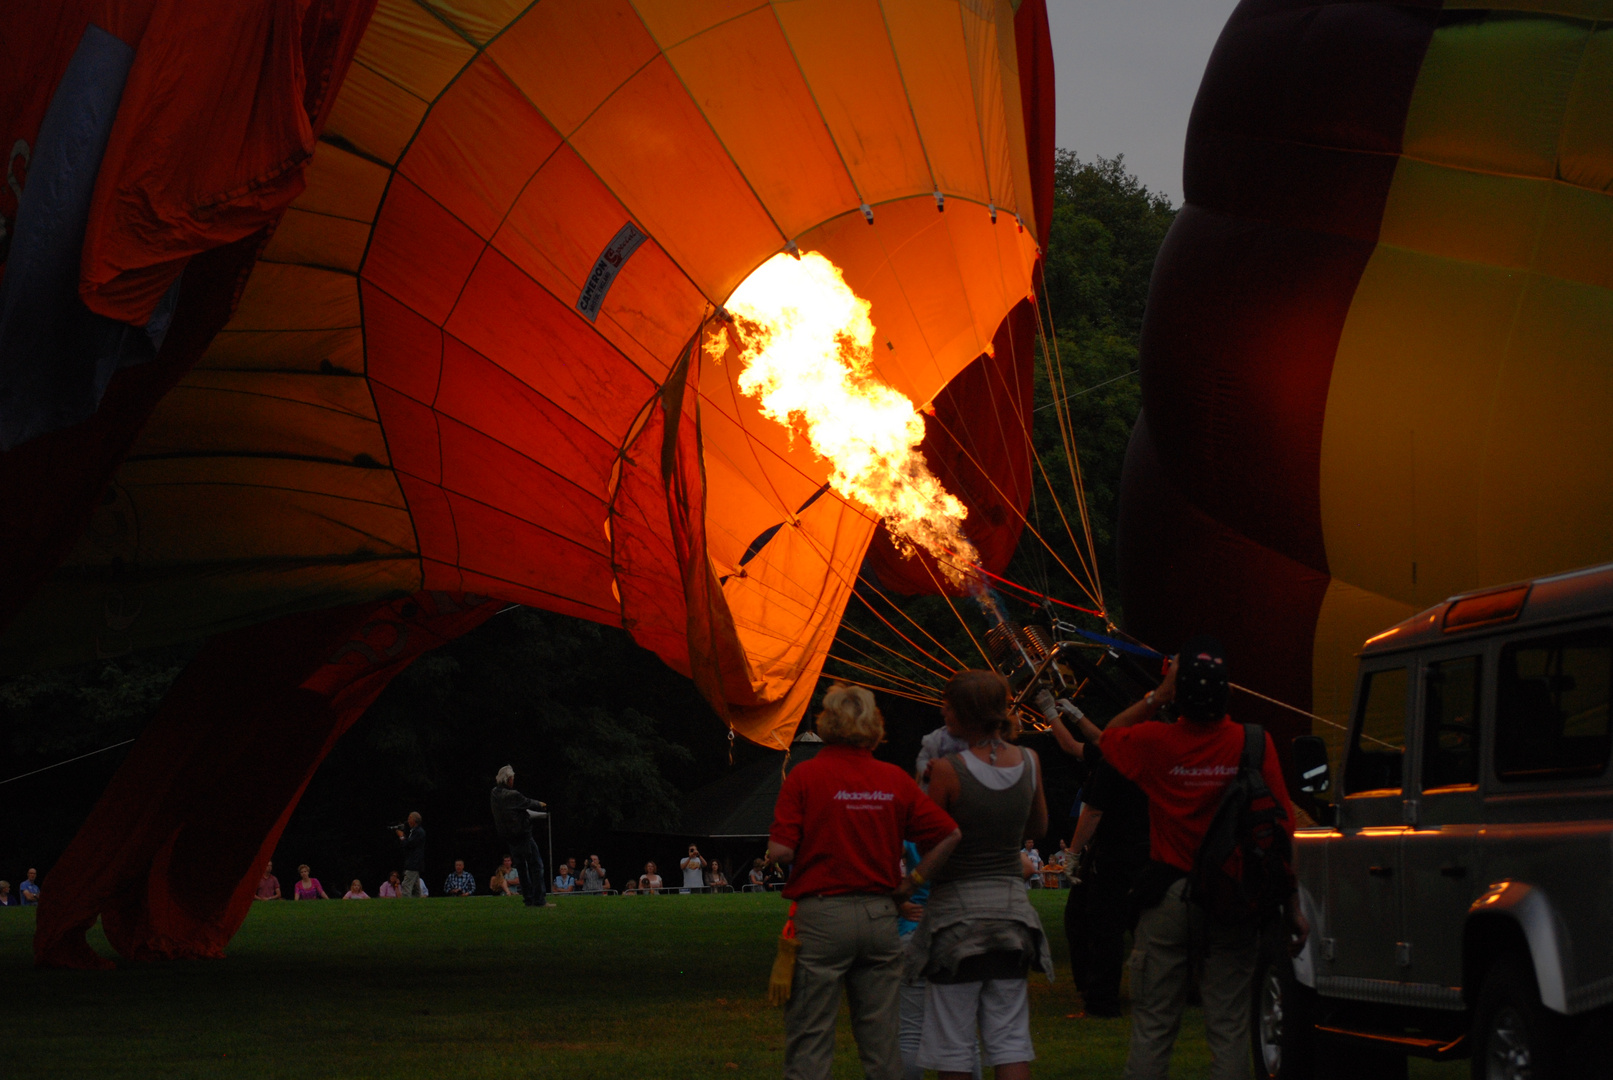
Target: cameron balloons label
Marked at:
606, 267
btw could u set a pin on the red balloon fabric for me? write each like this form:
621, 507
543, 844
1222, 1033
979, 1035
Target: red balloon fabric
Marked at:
169, 857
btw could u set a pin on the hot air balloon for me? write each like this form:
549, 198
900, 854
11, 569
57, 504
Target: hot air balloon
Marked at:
466, 365
1377, 362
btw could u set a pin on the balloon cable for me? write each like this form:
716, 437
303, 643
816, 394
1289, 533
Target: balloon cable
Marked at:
69, 761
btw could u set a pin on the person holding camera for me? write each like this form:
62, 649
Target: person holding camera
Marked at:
693, 867
594, 877
512, 819
1184, 768
414, 854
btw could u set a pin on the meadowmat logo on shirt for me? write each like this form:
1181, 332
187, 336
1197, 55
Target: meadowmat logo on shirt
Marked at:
1217, 772
865, 796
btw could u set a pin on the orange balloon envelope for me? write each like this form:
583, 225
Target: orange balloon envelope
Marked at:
466, 365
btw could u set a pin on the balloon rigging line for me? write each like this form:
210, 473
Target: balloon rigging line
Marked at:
903, 657
1320, 719
941, 591
1019, 514
1095, 593
69, 761
958, 664
876, 670
885, 666
888, 690
1285, 705
1055, 364
1039, 595
880, 674
1088, 390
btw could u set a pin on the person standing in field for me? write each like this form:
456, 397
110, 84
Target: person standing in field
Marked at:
512, 819
980, 937
30, 888
1184, 768
693, 867
594, 878
414, 855
840, 822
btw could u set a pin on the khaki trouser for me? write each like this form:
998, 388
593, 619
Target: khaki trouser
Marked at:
411, 883
1167, 935
848, 940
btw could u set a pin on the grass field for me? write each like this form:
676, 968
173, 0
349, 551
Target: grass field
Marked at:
623, 986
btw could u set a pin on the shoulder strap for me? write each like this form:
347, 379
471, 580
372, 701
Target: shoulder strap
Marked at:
1254, 747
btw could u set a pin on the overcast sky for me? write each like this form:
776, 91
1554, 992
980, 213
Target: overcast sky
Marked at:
1127, 72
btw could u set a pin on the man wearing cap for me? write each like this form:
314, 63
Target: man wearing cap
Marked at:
513, 821
1184, 769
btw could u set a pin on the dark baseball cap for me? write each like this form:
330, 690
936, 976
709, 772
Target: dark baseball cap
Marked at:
1201, 679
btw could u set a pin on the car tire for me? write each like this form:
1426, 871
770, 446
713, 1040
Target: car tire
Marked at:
1515, 1037
1282, 1035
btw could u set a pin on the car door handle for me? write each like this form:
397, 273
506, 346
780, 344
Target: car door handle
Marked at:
1453, 871
1380, 871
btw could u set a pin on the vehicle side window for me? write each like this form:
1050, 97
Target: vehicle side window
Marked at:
1451, 722
1378, 748
1551, 708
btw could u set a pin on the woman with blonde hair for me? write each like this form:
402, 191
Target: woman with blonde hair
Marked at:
839, 823
980, 936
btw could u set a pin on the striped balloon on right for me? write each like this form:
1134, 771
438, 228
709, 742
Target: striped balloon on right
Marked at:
1378, 354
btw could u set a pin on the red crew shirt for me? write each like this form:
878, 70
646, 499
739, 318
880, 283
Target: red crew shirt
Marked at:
846, 815
1184, 768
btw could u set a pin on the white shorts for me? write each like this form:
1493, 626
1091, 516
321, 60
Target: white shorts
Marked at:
1000, 1008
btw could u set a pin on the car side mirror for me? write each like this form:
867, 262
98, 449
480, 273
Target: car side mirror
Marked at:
1310, 762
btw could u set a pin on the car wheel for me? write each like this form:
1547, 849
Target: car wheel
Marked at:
1515, 1037
1282, 1037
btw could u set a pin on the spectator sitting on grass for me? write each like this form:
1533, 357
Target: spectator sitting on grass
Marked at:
758, 874
506, 879
564, 881
649, 881
269, 887
30, 888
459, 883
392, 887
355, 891
593, 876
6, 899
307, 887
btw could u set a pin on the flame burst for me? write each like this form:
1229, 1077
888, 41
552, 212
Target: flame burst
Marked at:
806, 343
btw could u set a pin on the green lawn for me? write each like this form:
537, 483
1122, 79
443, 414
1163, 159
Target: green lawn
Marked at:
622, 986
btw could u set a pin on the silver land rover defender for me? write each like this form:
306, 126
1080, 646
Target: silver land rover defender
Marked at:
1461, 895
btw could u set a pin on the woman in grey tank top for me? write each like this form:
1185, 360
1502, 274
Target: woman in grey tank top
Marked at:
980, 936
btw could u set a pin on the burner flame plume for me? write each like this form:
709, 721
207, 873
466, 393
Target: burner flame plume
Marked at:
806, 344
